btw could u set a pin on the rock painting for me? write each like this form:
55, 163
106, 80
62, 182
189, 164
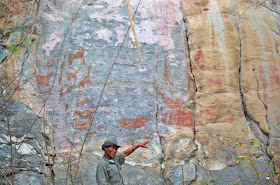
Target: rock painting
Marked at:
42, 81
215, 82
78, 55
212, 115
137, 122
73, 75
176, 115
208, 112
91, 134
86, 79
86, 114
230, 115
166, 74
199, 58
82, 126
270, 76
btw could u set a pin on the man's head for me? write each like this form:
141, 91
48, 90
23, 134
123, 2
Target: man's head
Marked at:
110, 147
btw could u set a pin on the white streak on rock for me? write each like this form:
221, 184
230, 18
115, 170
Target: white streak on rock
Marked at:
53, 17
163, 16
132, 163
53, 40
26, 149
215, 165
104, 34
215, 16
110, 11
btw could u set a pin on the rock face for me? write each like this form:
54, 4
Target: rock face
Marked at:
206, 95
32, 152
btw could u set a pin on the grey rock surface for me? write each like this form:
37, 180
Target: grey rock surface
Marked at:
30, 151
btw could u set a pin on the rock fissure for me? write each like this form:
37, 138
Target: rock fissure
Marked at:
192, 79
265, 106
18, 170
258, 93
193, 82
16, 142
157, 116
240, 75
159, 136
248, 117
183, 176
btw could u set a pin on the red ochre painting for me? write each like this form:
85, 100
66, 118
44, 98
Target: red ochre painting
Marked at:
270, 77
211, 115
198, 59
86, 114
82, 126
137, 122
176, 116
43, 80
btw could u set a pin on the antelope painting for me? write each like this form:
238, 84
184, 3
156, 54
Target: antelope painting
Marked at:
86, 114
78, 55
74, 75
86, 79
43, 80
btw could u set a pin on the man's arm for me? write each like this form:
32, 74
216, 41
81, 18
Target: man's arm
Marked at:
133, 148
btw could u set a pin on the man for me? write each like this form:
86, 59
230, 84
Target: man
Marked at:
109, 167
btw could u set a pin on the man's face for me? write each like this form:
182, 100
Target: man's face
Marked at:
111, 151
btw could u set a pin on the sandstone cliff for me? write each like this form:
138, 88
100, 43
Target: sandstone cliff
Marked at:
206, 93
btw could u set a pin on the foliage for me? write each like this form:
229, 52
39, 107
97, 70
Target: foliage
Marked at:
271, 175
212, 181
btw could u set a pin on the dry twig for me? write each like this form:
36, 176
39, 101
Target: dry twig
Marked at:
133, 29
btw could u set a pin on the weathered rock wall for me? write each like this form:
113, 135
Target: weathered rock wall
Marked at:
231, 49
26, 146
206, 94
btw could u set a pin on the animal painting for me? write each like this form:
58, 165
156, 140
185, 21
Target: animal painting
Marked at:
137, 122
86, 114
43, 80
74, 75
86, 79
79, 55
